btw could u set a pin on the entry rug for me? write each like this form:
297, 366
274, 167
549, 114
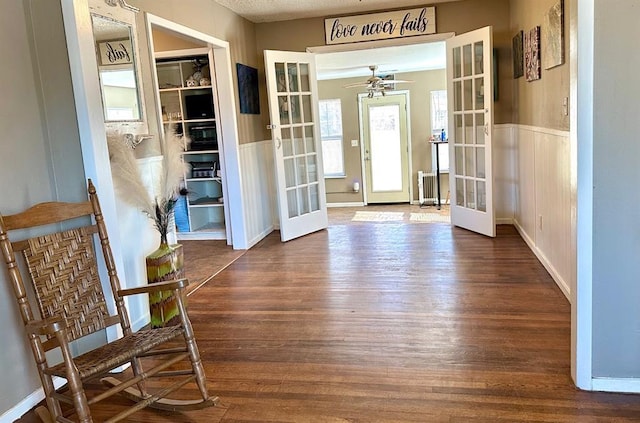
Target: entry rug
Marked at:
370, 216
429, 217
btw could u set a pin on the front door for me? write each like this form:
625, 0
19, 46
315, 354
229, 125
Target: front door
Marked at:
293, 108
386, 151
470, 88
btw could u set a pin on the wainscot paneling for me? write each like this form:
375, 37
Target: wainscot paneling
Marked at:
504, 173
543, 206
258, 190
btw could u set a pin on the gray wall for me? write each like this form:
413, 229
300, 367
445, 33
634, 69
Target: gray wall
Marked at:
616, 199
40, 153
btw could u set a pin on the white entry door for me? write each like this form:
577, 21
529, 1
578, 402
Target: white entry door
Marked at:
386, 151
470, 87
293, 107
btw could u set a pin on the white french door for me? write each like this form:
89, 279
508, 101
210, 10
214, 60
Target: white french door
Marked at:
293, 108
386, 152
470, 101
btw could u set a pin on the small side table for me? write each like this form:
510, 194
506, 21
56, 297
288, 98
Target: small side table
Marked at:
437, 144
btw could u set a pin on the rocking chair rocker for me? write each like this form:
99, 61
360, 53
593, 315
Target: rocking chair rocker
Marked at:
63, 275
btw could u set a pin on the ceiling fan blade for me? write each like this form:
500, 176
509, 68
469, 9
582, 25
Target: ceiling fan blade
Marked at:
395, 81
357, 84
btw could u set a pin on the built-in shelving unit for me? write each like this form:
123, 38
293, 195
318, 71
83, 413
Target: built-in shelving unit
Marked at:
186, 89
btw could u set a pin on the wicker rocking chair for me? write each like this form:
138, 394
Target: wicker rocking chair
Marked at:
63, 275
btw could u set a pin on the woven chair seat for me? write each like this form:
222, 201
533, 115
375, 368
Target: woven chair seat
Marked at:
118, 352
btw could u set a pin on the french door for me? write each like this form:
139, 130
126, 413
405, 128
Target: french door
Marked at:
470, 104
293, 109
386, 152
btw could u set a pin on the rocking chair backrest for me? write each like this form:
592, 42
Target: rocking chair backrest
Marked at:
62, 267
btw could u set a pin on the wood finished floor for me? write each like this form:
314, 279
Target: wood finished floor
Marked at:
389, 323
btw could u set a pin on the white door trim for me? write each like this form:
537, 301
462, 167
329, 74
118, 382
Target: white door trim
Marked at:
237, 235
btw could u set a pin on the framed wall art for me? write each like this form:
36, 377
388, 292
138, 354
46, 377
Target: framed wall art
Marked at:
532, 54
248, 89
518, 59
553, 31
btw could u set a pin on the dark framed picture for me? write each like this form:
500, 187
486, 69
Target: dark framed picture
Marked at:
518, 58
248, 89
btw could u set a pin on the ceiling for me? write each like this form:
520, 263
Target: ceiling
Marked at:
407, 58
283, 10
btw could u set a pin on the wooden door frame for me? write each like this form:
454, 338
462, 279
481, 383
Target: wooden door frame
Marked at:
409, 169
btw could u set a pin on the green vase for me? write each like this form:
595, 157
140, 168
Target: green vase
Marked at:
164, 264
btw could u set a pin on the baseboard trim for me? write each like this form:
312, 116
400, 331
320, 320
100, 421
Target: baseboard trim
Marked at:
354, 204
622, 385
29, 402
561, 283
260, 236
504, 221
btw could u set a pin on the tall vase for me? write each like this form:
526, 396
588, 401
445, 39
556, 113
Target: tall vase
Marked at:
166, 263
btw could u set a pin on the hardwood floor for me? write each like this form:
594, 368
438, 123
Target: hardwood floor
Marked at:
388, 322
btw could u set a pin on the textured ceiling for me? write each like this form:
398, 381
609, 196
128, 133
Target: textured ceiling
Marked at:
283, 10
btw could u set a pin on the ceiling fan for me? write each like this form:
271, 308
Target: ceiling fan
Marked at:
376, 84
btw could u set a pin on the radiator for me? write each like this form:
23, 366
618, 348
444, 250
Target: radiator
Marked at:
426, 188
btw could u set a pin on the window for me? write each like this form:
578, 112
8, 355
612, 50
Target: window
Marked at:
331, 137
439, 121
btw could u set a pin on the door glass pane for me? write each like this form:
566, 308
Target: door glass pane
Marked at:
314, 197
312, 168
479, 93
468, 128
480, 135
482, 196
304, 77
480, 167
457, 63
303, 200
458, 128
293, 77
287, 143
283, 105
310, 141
470, 194
478, 57
292, 202
295, 109
301, 169
281, 79
457, 96
468, 94
298, 141
386, 159
469, 162
459, 152
307, 115
289, 172
460, 192
466, 60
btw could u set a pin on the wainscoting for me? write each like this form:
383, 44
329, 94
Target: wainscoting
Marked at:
545, 201
258, 190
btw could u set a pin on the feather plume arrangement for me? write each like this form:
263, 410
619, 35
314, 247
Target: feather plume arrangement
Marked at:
160, 205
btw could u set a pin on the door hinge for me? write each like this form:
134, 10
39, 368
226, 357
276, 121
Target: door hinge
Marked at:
272, 126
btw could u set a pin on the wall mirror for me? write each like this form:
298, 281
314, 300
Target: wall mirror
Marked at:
116, 69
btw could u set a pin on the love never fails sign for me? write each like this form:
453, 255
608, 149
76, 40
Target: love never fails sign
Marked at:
380, 26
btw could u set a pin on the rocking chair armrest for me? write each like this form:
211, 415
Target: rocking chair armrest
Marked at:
45, 327
156, 286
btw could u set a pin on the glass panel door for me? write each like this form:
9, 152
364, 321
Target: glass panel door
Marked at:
469, 59
292, 90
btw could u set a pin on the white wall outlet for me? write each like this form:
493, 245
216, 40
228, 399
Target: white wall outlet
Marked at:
565, 106
354, 143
